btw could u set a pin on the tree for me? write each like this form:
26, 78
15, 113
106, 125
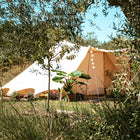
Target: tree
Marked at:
90, 39
39, 26
130, 8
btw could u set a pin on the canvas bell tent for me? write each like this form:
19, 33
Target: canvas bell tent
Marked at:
99, 64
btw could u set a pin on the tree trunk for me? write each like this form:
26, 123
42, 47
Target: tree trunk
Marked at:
47, 109
60, 94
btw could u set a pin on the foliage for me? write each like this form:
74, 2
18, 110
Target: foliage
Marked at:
34, 29
35, 26
123, 117
69, 80
19, 122
31, 28
9, 53
90, 39
122, 120
119, 122
88, 121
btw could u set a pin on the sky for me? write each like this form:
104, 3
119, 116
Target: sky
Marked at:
105, 24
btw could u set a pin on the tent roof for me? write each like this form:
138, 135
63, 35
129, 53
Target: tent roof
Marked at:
103, 50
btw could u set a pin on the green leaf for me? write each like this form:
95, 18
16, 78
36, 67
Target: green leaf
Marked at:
61, 74
71, 81
75, 73
82, 83
55, 71
58, 79
84, 76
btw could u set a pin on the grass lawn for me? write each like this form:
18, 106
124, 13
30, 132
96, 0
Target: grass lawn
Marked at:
25, 120
31, 116
40, 105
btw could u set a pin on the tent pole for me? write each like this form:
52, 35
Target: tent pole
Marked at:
104, 74
88, 69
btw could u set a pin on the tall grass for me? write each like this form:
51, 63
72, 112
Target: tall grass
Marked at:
95, 122
30, 123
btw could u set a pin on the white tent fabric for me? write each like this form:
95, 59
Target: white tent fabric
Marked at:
37, 78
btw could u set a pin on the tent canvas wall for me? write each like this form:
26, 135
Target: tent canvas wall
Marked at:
100, 65
97, 63
37, 78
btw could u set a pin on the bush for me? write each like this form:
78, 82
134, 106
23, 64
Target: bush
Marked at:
122, 121
118, 120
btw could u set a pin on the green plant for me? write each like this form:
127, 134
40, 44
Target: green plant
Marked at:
119, 121
27, 120
69, 80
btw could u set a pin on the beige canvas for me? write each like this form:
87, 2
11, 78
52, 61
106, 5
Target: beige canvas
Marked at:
101, 65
